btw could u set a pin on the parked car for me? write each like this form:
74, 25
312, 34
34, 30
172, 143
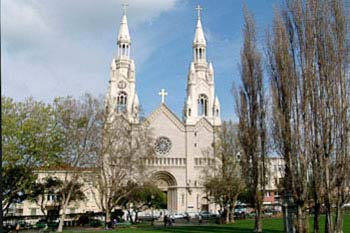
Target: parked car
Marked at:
42, 223
95, 223
177, 216
25, 225
147, 217
268, 211
208, 215
193, 214
9, 226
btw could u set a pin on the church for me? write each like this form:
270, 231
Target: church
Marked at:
184, 145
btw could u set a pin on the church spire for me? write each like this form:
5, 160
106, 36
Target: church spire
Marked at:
201, 101
124, 40
199, 43
122, 97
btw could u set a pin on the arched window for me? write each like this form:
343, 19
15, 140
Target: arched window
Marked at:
121, 101
189, 112
202, 105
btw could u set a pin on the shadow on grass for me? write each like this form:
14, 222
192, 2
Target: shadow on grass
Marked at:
218, 229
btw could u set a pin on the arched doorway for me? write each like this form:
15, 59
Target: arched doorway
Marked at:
167, 183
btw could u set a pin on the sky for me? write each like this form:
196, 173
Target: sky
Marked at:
65, 47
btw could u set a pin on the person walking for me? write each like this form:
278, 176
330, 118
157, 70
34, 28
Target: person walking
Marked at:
200, 219
165, 219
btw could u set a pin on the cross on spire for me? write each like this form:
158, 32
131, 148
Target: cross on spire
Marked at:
125, 7
199, 8
163, 93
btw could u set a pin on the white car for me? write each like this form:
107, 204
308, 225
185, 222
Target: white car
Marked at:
177, 216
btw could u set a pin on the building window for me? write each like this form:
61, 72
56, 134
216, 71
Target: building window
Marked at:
51, 197
189, 112
183, 199
202, 105
121, 101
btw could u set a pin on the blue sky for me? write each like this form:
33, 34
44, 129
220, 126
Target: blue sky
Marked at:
64, 47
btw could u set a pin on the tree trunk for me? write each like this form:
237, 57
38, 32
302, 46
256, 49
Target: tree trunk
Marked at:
226, 215
107, 217
136, 216
328, 204
231, 214
302, 221
62, 218
317, 217
339, 219
258, 212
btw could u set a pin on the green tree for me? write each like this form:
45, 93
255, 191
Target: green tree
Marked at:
30, 139
142, 197
48, 194
17, 183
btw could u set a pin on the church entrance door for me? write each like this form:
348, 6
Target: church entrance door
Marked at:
166, 182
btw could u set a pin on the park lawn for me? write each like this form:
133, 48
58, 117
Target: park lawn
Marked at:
273, 225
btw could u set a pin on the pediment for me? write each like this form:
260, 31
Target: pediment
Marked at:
164, 110
204, 123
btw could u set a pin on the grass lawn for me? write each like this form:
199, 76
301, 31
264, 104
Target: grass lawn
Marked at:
240, 226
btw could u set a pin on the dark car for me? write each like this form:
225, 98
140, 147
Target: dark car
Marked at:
8, 227
208, 215
42, 223
95, 223
25, 225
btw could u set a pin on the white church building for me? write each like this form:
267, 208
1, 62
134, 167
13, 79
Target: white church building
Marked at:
184, 147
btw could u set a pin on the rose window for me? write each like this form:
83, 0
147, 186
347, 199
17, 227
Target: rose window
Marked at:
162, 145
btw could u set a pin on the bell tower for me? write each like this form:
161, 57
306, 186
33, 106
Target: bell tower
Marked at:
122, 97
201, 100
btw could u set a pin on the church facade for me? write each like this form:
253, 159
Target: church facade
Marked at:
184, 147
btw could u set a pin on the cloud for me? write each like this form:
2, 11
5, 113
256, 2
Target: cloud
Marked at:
61, 47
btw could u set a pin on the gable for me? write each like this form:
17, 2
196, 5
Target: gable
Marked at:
204, 124
166, 116
162, 122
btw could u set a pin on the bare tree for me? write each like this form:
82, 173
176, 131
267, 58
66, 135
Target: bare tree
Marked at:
125, 146
308, 56
223, 179
251, 108
80, 122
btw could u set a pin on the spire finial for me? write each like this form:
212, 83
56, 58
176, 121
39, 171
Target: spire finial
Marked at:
125, 7
199, 8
